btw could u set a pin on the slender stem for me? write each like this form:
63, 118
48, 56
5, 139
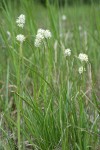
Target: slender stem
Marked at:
19, 91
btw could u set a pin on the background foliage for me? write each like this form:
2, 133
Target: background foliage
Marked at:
61, 2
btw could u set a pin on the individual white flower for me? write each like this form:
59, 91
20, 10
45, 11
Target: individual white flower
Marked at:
47, 34
20, 38
83, 57
21, 20
67, 52
64, 17
81, 70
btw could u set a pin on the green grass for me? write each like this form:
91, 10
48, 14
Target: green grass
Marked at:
45, 104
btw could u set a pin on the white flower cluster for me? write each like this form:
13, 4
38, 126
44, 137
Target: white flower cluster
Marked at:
20, 38
81, 70
64, 17
9, 35
21, 20
41, 35
67, 52
83, 57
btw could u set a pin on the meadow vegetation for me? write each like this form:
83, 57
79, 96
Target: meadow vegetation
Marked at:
49, 77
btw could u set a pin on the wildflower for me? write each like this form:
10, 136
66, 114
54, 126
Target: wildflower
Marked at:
39, 38
67, 52
37, 42
83, 57
81, 70
9, 35
41, 34
41, 31
21, 20
47, 34
64, 17
20, 38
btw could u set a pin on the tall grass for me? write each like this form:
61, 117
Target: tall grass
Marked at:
45, 104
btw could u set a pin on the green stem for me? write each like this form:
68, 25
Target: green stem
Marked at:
19, 91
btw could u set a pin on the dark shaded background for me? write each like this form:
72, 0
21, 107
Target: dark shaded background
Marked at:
70, 2
60, 2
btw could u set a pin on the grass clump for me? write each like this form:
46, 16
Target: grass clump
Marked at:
49, 77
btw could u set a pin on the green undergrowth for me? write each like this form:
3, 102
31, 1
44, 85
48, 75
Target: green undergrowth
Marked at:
45, 104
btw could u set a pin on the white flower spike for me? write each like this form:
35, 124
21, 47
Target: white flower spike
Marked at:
67, 52
20, 38
21, 20
41, 35
83, 57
